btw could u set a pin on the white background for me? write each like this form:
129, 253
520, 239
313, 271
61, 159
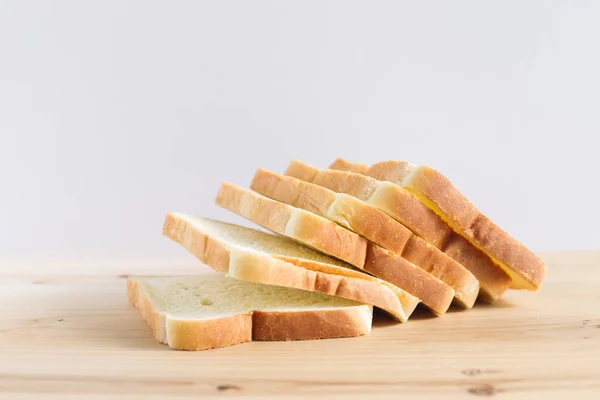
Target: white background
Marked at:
114, 112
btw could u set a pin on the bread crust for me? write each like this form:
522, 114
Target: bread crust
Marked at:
407, 210
298, 273
341, 164
433, 293
442, 266
353, 184
493, 281
313, 324
240, 328
381, 229
527, 269
305, 227
412, 280
348, 211
410, 211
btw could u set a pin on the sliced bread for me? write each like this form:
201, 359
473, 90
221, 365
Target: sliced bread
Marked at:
251, 255
526, 269
433, 293
210, 311
297, 224
328, 237
407, 209
379, 228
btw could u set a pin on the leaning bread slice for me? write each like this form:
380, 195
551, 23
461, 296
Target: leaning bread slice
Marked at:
379, 228
526, 269
304, 227
210, 311
405, 208
251, 255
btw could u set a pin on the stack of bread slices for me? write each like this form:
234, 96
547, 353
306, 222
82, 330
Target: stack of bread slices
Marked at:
331, 244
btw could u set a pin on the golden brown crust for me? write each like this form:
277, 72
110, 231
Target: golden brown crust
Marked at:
460, 212
328, 237
503, 247
406, 209
309, 325
373, 224
292, 191
443, 267
370, 222
394, 200
433, 293
323, 278
244, 327
393, 171
291, 272
348, 211
493, 281
209, 334
305, 227
441, 195
341, 164
357, 185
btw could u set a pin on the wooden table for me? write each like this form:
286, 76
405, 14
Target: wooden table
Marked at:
67, 331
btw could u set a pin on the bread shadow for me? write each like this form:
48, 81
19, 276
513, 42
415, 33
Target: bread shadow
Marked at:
382, 319
502, 303
480, 304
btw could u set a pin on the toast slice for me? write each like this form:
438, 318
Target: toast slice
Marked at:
297, 224
377, 227
405, 208
210, 311
526, 269
250, 255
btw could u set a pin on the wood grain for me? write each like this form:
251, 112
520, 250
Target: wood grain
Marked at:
67, 331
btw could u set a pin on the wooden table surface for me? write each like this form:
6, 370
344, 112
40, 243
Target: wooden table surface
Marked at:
67, 331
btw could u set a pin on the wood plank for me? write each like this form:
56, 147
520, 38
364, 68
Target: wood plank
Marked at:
67, 331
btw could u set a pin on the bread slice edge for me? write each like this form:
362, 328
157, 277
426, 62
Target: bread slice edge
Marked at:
258, 325
247, 264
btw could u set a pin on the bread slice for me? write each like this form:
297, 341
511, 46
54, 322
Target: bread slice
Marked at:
526, 269
382, 230
297, 224
210, 311
405, 208
251, 255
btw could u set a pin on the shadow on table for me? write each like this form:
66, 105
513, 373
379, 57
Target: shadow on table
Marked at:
502, 303
381, 318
